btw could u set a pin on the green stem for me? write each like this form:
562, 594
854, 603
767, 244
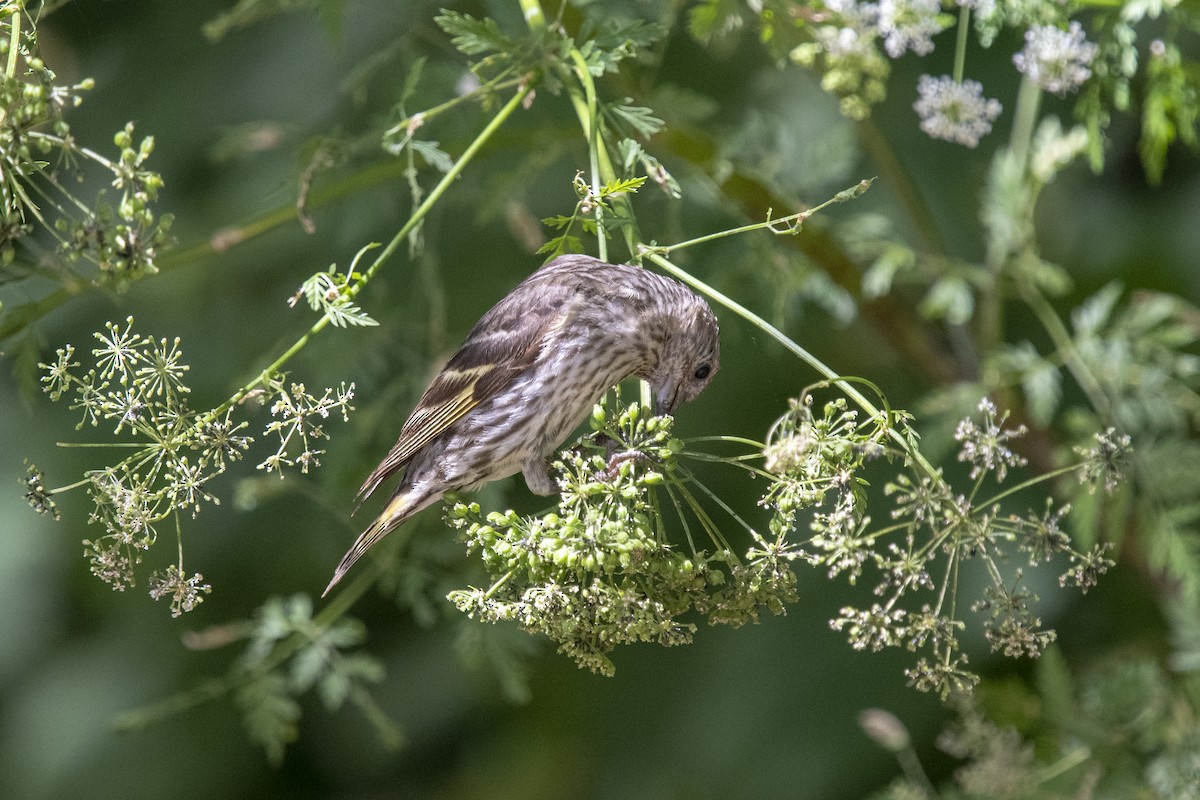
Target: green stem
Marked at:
791, 223
419, 214
105, 445
587, 110
1073, 759
1066, 348
844, 385
960, 46
447, 180
495, 84
591, 124
14, 43
1049, 476
725, 438
535, 18
1029, 97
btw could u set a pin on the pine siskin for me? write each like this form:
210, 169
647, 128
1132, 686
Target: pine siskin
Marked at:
529, 373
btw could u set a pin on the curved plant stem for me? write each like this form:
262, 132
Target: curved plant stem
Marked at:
847, 388
386, 253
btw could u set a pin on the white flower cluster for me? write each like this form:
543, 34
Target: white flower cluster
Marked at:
902, 24
953, 111
908, 25
1056, 60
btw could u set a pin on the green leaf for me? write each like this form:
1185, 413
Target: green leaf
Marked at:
434, 156
1093, 314
1170, 110
622, 186
343, 676
949, 298
713, 19
558, 222
616, 41
631, 120
474, 36
561, 245
270, 714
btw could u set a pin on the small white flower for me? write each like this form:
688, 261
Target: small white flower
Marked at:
855, 33
955, 112
1056, 60
908, 25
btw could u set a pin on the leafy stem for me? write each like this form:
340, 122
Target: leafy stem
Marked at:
386, 253
216, 688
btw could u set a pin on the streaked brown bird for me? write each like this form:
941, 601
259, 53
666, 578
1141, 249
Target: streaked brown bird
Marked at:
529, 373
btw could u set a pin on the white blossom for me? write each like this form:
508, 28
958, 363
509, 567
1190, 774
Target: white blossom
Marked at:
1056, 60
955, 112
908, 25
855, 36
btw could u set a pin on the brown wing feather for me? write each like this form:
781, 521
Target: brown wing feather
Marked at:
505, 342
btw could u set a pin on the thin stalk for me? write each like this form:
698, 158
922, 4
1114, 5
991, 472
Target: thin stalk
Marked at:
725, 507
535, 18
14, 43
1049, 476
591, 124
1078, 756
725, 438
844, 385
1066, 347
419, 214
421, 117
791, 224
1029, 97
960, 45
587, 111
687, 529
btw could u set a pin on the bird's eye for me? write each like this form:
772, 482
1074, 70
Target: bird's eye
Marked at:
702, 371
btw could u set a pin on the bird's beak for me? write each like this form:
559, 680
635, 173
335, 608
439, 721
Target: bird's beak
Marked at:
666, 398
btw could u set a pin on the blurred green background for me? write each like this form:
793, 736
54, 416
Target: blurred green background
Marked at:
765, 711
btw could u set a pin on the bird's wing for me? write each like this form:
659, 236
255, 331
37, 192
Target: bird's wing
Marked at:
502, 345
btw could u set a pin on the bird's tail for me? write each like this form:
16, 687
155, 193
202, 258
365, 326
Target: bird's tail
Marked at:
402, 506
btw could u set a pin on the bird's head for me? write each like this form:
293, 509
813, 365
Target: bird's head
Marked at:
689, 358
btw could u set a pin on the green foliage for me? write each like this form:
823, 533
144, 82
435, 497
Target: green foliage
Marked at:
1125, 728
1089, 394
117, 244
269, 692
593, 212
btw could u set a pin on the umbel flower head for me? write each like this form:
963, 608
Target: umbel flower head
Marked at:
530, 371
955, 112
598, 571
1056, 60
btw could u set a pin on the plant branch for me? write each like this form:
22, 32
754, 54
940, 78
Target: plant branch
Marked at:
418, 214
